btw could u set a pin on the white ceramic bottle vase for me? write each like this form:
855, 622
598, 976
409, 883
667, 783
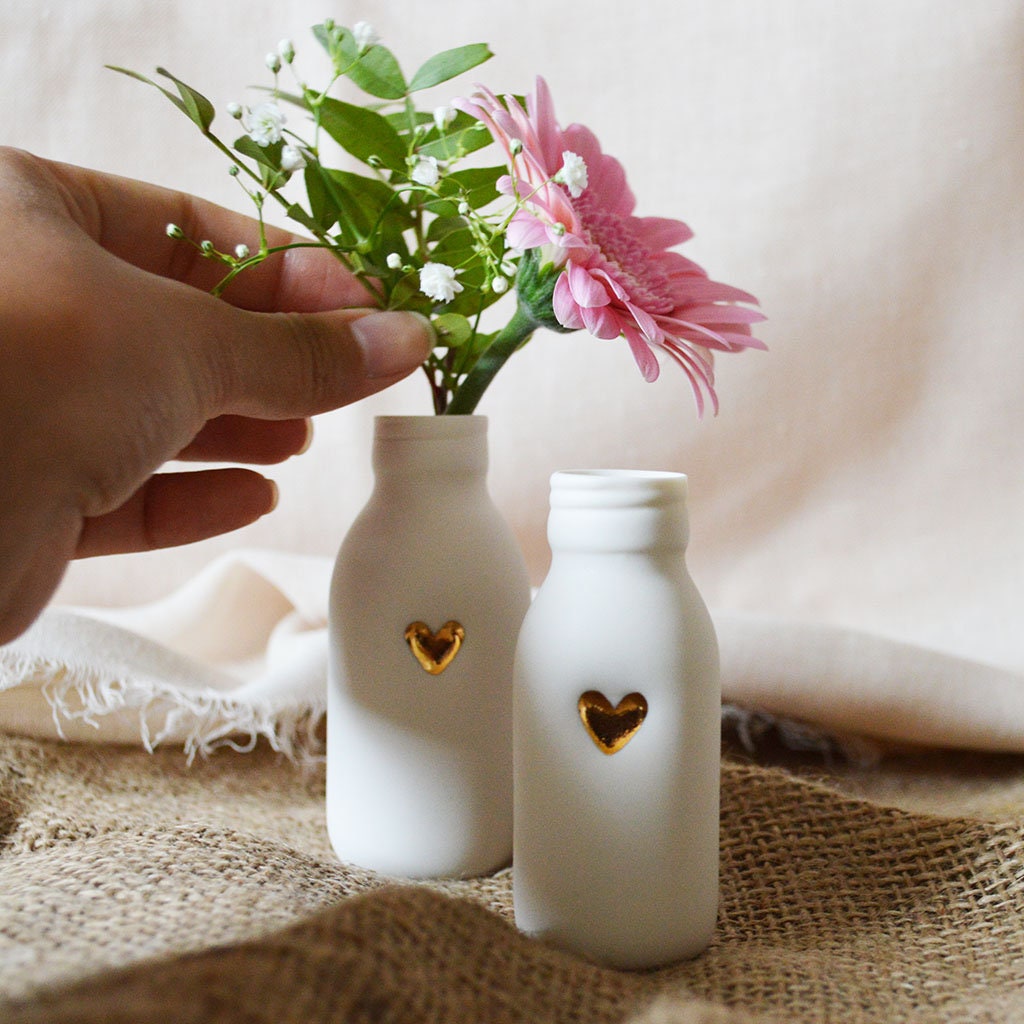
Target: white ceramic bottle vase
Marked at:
617, 730
428, 594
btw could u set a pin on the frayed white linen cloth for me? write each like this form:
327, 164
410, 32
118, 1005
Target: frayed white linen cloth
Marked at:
237, 653
240, 653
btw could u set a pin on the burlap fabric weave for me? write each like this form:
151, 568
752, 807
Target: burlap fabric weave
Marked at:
134, 888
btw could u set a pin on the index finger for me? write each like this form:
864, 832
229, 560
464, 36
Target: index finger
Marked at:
129, 218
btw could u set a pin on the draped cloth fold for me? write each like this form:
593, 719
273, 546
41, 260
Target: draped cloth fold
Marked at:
240, 652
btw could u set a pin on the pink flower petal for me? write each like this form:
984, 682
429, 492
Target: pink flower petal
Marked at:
645, 358
661, 232
587, 291
713, 313
563, 305
647, 324
601, 322
526, 232
542, 112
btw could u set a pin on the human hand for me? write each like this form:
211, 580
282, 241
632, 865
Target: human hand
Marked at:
115, 359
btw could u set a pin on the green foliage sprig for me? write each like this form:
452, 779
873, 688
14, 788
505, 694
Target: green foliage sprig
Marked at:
420, 229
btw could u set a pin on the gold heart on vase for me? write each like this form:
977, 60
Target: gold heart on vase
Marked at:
435, 651
611, 728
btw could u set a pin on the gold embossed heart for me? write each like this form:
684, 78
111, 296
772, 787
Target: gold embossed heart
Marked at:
611, 728
435, 651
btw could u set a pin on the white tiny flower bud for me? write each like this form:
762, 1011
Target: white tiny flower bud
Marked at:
515, 146
463, 208
394, 261
365, 35
286, 49
207, 246
273, 61
173, 231
241, 251
499, 286
443, 116
233, 170
292, 159
235, 110
329, 24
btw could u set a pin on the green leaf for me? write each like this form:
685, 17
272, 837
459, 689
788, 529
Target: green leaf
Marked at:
339, 44
449, 64
195, 104
301, 216
377, 72
403, 120
328, 40
477, 185
176, 100
363, 133
265, 156
323, 210
453, 329
289, 97
464, 136
360, 206
447, 224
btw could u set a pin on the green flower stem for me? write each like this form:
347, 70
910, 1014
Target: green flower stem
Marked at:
510, 339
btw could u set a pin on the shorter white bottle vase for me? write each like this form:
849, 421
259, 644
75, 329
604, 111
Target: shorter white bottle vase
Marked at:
617, 730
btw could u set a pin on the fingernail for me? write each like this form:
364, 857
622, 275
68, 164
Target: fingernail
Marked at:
275, 496
393, 343
309, 438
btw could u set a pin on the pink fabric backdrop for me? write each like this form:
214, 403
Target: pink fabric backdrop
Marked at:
858, 167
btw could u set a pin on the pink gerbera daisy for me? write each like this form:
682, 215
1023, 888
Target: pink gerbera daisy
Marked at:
616, 273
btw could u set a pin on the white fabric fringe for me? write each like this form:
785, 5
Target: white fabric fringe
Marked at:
239, 654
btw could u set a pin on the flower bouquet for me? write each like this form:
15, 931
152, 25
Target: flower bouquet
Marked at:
430, 226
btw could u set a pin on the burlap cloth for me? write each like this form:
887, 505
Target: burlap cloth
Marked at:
136, 888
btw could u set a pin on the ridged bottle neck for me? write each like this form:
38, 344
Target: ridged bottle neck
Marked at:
618, 511
444, 448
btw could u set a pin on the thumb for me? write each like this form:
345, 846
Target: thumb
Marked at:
276, 365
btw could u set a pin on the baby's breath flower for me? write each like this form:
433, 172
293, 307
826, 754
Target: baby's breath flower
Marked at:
235, 110
286, 50
207, 246
265, 121
573, 173
464, 208
173, 231
437, 282
365, 35
515, 146
241, 251
273, 62
292, 159
499, 285
426, 172
394, 261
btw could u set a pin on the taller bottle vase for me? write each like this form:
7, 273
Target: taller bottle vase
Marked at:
428, 594
617, 725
